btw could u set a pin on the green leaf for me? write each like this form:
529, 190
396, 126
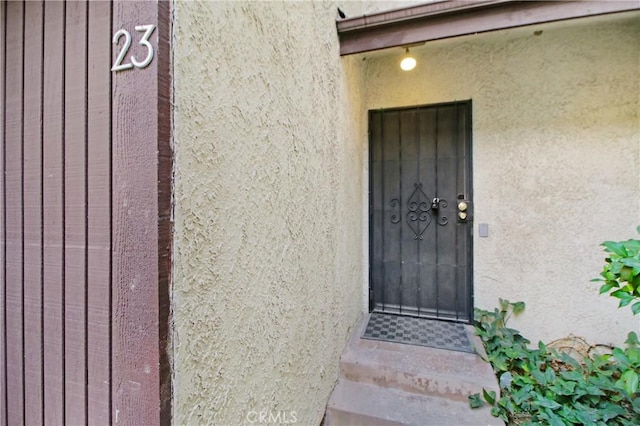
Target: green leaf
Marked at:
569, 360
629, 382
624, 296
504, 304
621, 357
505, 380
607, 286
624, 302
506, 405
548, 403
572, 375
551, 418
632, 245
586, 417
497, 412
522, 395
626, 273
489, 396
635, 308
518, 307
612, 411
550, 375
568, 414
632, 263
475, 400
539, 376
594, 391
616, 267
562, 387
615, 247
499, 363
632, 339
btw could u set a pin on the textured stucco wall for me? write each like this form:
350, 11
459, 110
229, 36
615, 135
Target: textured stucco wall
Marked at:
270, 187
269, 144
556, 159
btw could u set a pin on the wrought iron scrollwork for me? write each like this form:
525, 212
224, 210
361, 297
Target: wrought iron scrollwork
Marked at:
420, 205
418, 217
395, 218
443, 220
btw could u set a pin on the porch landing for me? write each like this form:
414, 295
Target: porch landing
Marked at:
383, 383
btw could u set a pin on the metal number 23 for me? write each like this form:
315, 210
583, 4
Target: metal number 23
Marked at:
118, 65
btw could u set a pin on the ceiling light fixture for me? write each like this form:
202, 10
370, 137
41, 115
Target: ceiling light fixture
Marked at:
408, 62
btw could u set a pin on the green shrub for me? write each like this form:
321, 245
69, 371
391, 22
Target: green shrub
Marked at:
544, 386
621, 272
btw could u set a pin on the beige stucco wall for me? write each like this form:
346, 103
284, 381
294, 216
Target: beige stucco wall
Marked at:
269, 148
556, 159
271, 173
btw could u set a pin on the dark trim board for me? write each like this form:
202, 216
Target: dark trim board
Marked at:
453, 18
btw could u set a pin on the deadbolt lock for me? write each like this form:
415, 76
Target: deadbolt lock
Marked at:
464, 210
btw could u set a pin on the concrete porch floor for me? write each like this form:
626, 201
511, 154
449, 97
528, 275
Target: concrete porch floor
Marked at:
384, 383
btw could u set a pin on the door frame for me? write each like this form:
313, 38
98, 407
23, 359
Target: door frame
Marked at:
470, 230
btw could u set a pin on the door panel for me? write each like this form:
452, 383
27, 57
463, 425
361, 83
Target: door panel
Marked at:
420, 249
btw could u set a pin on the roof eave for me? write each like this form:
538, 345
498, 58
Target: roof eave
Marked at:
455, 18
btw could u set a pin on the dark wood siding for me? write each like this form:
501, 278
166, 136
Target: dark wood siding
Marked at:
13, 213
33, 213
99, 217
85, 226
53, 203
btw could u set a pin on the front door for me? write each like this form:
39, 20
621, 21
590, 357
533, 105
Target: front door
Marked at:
421, 211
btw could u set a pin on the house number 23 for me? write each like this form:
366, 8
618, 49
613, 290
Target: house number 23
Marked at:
144, 41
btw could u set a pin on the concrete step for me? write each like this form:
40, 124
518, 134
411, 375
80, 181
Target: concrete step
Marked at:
417, 369
355, 404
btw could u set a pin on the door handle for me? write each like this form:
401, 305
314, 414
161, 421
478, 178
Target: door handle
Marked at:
435, 204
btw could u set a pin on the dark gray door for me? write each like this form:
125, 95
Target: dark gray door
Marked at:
421, 211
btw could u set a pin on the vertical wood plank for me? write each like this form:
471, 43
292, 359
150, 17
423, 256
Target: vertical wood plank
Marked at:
3, 111
33, 212
53, 214
74, 182
13, 187
98, 218
135, 229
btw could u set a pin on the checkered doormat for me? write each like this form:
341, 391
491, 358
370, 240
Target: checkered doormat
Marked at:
418, 331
